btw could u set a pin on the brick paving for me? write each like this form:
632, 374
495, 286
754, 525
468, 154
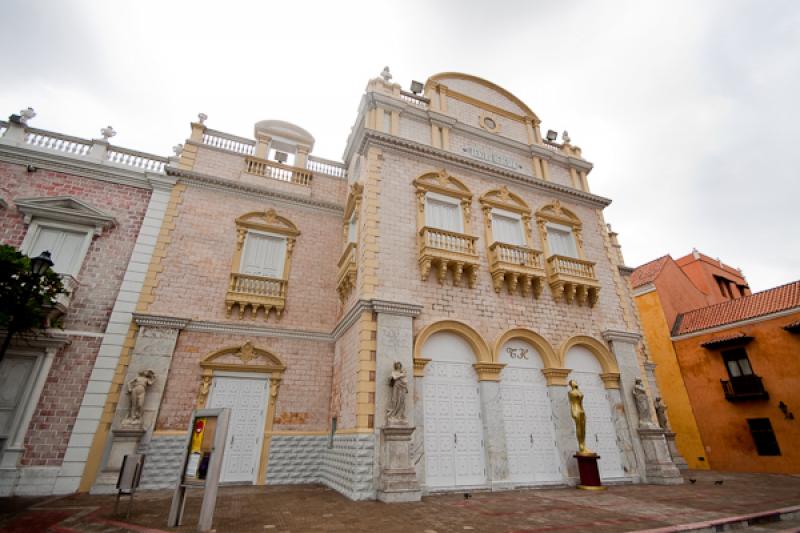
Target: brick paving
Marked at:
313, 508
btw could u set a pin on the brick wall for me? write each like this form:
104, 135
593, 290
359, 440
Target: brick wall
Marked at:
101, 274
303, 399
197, 265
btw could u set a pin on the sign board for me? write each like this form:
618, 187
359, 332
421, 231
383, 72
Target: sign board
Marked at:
202, 464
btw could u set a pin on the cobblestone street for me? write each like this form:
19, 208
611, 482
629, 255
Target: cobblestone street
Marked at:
313, 508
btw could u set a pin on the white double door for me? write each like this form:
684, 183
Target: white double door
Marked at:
454, 447
530, 437
601, 434
246, 396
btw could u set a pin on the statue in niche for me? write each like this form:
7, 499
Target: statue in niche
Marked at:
398, 381
642, 404
661, 414
578, 415
137, 388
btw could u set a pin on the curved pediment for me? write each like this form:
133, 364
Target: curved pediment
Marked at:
280, 130
555, 212
502, 198
476, 88
245, 358
269, 221
443, 183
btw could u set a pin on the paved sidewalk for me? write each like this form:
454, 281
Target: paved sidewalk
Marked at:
313, 508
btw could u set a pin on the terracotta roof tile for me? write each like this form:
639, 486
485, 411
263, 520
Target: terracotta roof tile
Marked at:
758, 304
648, 272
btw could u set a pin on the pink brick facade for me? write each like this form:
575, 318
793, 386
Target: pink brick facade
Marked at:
90, 305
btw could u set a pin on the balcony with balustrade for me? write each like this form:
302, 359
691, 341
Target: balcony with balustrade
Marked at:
446, 251
256, 292
277, 171
348, 267
744, 388
573, 279
519, 267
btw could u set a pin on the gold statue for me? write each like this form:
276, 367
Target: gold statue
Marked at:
579, 416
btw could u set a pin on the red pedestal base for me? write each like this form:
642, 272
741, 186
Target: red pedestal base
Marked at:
590, 475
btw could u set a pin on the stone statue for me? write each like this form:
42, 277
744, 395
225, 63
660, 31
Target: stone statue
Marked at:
386, 75
578, 415
642, 404
396, 412
661, 414
137, 388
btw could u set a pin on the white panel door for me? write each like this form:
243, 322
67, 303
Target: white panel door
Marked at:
15, 373
530, 438
601, 435
247, 399
454, 448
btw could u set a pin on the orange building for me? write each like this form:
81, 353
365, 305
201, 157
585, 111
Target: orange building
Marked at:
726, 362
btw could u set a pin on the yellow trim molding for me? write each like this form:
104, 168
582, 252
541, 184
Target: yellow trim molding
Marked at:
608, 362
479, 347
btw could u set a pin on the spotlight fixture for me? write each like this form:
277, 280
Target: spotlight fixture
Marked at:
416, 87
281, 157
552, 135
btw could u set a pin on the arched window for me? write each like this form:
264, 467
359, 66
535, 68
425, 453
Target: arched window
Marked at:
261, 262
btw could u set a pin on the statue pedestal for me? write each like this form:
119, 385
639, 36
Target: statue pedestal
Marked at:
398, 481
124, 441
659, 468
590, 475
677, 458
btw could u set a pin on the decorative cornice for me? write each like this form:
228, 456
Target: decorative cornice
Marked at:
256, 331
610, 380
79, 167
396, 308
488, 371
213, 182
614, 335
350, 317
556, 376
419, 366
159, 321
369, 137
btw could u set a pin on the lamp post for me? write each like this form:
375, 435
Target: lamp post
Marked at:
38, 266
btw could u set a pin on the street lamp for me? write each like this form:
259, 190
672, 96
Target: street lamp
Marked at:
40, 264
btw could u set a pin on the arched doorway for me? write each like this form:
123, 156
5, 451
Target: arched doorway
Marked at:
453, 428
601, 435
527, 415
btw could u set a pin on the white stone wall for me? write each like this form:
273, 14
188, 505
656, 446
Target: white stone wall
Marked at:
470, 115
415, 129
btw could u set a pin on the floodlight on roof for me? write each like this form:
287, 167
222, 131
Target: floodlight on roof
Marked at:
552, 135
416, 87
281, 157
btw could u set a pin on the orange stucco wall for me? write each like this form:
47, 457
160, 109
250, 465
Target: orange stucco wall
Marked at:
670, 383
775, 356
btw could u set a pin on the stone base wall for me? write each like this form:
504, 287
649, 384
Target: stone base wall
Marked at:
346, 467
163, 462
30, 481
295, 459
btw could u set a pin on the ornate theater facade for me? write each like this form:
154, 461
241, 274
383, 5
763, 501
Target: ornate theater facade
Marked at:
453, 239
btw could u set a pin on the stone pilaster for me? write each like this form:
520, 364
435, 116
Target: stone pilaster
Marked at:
564, 430
494, 432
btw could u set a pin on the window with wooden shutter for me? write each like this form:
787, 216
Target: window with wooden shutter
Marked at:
507, 228
263, 255
66, 247
561, 240
443, 213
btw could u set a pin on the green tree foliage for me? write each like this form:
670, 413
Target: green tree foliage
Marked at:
26, 299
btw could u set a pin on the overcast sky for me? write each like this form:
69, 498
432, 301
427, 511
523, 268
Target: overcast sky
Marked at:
688, 109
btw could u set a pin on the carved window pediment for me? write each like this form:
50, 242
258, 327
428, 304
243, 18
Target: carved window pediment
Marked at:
246, 357
555, 212
502, 198
269, 221
443, 183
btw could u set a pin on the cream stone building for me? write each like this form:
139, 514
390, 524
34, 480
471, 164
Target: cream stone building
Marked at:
453, 239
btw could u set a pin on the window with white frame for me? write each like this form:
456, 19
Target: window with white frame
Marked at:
561, 240
66, 247
264, 255
443, 212
507, 227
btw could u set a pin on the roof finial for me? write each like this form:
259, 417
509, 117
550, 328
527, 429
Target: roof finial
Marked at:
695, 253
201, 118
386, 75
565, 137
107, 133
26, 114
